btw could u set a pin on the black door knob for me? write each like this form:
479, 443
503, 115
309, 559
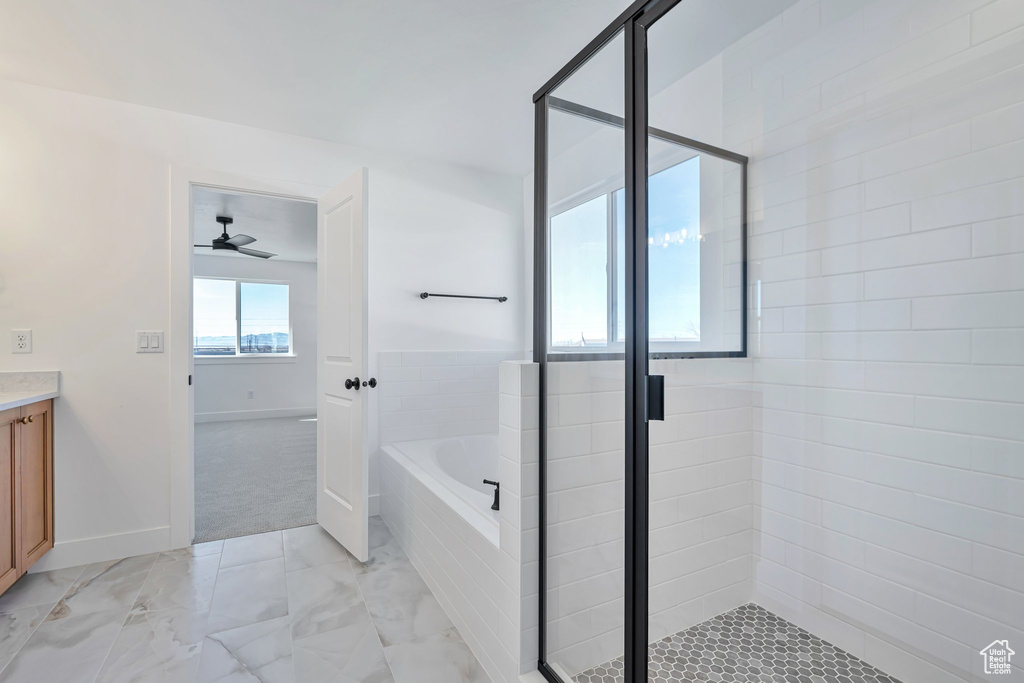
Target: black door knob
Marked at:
372, 383
352, 384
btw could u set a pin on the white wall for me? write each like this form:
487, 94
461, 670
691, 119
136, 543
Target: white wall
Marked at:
84, 262
281, 386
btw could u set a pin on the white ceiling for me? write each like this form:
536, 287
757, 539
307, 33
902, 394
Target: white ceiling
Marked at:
450, 80
442, 79
281, 226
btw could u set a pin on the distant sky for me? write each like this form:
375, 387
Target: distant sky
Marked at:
674, 261
264, 308
579, 281
579, 261
213, 308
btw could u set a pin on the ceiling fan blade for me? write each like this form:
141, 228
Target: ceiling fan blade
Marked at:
240, 240
255, 252
208, 246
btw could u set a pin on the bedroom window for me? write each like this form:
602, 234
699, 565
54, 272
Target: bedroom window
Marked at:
240, 318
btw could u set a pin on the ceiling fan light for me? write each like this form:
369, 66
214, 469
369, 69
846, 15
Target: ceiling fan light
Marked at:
234, 243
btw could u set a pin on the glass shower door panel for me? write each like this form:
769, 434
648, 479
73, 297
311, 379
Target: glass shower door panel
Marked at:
700, 456
584, 379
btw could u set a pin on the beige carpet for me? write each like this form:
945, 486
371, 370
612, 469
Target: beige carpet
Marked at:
254, 476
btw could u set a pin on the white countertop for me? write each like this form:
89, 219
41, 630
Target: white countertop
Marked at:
22, 388
16, 399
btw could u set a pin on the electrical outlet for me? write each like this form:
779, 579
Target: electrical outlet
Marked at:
250, 394
21, 341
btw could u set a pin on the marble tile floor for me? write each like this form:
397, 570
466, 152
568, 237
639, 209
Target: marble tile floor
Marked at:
280, 607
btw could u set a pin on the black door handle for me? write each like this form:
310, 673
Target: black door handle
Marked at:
352, 384
655, 397
372, 383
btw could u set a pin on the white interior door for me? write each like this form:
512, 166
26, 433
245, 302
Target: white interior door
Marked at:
341, 451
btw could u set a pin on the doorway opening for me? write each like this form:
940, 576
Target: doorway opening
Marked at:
254, 346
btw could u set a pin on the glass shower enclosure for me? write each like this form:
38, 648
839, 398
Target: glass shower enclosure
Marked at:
640, 286
750, 466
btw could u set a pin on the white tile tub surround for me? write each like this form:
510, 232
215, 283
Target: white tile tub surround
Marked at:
886, 224
429, 394
701, 462
489, 591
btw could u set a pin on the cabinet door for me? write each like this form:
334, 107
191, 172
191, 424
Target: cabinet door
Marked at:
36, 458
8, 497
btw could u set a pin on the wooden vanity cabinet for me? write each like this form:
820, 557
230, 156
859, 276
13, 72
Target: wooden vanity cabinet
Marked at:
26, 488
9, 547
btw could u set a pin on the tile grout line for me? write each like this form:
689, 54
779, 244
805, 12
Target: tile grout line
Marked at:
43, 620
124, 619
362, 600
410, 566
171, 609
288, 605
287, 615
206, 625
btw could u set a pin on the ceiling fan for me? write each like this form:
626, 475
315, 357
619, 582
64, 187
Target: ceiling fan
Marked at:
236, 243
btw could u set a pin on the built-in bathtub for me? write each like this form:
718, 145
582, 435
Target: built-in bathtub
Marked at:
434, 501
454, 470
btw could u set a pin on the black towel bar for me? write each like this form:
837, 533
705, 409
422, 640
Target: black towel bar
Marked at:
499, 299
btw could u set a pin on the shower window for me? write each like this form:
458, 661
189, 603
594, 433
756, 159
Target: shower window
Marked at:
580, 254
674, 256
587, 265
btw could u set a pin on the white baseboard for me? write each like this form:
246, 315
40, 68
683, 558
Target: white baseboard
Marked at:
117, 546
255, 414
103, 548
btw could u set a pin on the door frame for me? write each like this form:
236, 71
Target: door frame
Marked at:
178, 343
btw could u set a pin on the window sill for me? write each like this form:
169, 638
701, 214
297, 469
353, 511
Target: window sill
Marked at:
246, 360
558, 356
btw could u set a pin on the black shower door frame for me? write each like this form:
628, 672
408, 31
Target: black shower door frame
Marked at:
634, 23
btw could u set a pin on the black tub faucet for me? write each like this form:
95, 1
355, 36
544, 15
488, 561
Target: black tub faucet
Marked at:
497, 488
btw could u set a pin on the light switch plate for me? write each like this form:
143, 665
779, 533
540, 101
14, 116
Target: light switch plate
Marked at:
149, 341
21, 341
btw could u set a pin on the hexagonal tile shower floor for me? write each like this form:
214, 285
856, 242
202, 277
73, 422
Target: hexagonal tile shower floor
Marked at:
747, 645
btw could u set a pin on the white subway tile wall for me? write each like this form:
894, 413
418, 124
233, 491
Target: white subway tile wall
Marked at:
887, 229
430, 394
489, 591
701, 513
862, 474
